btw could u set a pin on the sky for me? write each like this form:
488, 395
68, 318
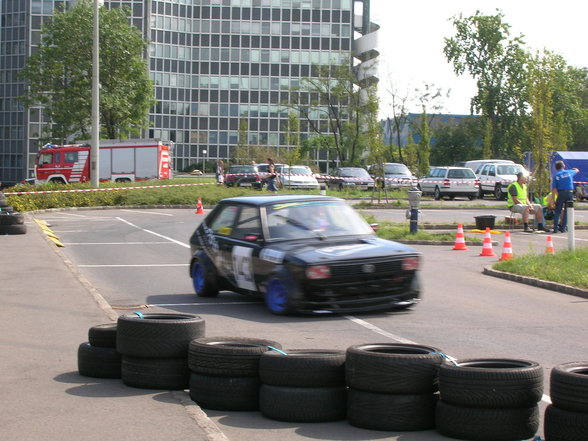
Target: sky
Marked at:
420, 27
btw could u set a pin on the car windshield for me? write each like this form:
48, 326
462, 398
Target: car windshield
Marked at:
396, 169
242, 169
511, 169
294, 220
298, 170
354, 173
461, 173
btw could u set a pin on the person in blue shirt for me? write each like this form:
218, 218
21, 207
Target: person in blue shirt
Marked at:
563, 189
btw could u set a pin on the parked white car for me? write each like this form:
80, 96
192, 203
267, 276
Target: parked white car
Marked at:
450, 182
495, 178
298, 177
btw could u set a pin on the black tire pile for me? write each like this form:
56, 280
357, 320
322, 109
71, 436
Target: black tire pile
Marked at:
489, 399
224, 372
392, 386
98, 357
11, 222
566, 419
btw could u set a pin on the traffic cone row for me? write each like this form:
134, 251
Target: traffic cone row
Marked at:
487, 246
199, 207
460, 244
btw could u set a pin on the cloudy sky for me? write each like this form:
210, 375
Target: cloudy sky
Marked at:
412, 32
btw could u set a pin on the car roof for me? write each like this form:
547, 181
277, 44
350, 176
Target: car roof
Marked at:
276, 199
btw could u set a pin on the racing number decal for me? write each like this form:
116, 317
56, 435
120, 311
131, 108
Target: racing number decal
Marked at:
243, 268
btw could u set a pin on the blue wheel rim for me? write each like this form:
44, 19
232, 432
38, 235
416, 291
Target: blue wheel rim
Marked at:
198, 277
276, 296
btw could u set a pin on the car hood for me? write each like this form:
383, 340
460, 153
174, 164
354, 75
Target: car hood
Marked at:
335, 250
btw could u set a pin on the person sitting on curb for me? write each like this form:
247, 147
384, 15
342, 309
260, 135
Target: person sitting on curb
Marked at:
518, 202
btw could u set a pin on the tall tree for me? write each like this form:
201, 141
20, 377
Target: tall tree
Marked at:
59, 74
482, 46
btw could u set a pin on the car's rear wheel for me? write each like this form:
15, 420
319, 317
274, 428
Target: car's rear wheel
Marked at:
340, 187
472, 197
202, 280
278, 297
437, 194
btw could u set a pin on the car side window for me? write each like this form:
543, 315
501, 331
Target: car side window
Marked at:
492, 170
223, 223
248, 223
484, 171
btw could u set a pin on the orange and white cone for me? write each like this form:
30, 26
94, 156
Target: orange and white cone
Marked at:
506, 247
199, 207
460, 239
549, 248
487, 247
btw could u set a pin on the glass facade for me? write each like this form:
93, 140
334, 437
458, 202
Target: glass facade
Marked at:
214, 63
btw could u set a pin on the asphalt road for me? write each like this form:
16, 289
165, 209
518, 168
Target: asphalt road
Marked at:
138, 260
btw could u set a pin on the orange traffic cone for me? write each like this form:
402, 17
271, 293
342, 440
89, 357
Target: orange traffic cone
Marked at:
199, 207
487, 247
506, 247
460, 239
549, 248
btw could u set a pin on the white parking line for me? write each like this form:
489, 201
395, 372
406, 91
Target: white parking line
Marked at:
148, 212
201, 304
154, 233
117, 243
134, 266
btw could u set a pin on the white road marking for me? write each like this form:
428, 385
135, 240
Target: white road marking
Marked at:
154, 233
148, 212
200, 304
134, 266
399, 339
117, 243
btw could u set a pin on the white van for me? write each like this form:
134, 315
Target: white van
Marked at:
477, 164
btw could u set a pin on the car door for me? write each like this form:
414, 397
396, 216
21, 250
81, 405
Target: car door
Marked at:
483, 177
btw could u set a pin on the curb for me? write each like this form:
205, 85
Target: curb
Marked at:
553, 286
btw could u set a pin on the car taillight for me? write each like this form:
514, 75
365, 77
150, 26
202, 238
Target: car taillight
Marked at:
410, 263
446, 182
258, 178
477, 183
318, 272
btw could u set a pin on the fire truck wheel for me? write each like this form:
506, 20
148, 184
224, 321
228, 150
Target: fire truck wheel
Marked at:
103, 336
157, 335
13, 229
11, 219
98, 362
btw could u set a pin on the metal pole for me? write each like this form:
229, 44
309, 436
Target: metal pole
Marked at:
95, 142
571, 222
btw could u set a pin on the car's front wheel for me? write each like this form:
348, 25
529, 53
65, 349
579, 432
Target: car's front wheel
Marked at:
202, 280
498, 193
278, 297
437, 194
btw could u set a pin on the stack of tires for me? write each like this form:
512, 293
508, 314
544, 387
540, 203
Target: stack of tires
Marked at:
154, 349
392, 386
224, 372
489, 399
11, 222
566, 419
303, 385
98, 357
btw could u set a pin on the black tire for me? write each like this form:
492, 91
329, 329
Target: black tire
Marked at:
204, 278
303, 404
478, 424
498, 193
569, 386
225, 393
103, 336
340, 187
155, 373
480, 194
13, 229
98, 362
471, 197
564, 425
390, 412
437, 194
7, 209
491, 383
303, 368
228, 356
393, 368
11, 218
157, 335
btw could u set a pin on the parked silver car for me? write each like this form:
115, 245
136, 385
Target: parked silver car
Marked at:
450, 182
298, 177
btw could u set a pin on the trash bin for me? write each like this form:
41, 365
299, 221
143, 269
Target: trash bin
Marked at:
483, 222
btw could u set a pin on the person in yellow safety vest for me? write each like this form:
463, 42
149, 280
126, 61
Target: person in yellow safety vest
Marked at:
518, 202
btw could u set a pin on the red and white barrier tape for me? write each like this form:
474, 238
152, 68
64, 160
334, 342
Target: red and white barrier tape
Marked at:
80, 190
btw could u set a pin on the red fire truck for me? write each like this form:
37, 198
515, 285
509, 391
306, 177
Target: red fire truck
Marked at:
119, 161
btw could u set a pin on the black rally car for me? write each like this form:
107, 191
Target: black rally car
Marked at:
302, 254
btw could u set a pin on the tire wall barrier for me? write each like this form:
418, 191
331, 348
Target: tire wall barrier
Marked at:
11, 222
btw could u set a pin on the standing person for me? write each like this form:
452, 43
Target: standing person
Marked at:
272, 177
563, 189
518, 202
220, 172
